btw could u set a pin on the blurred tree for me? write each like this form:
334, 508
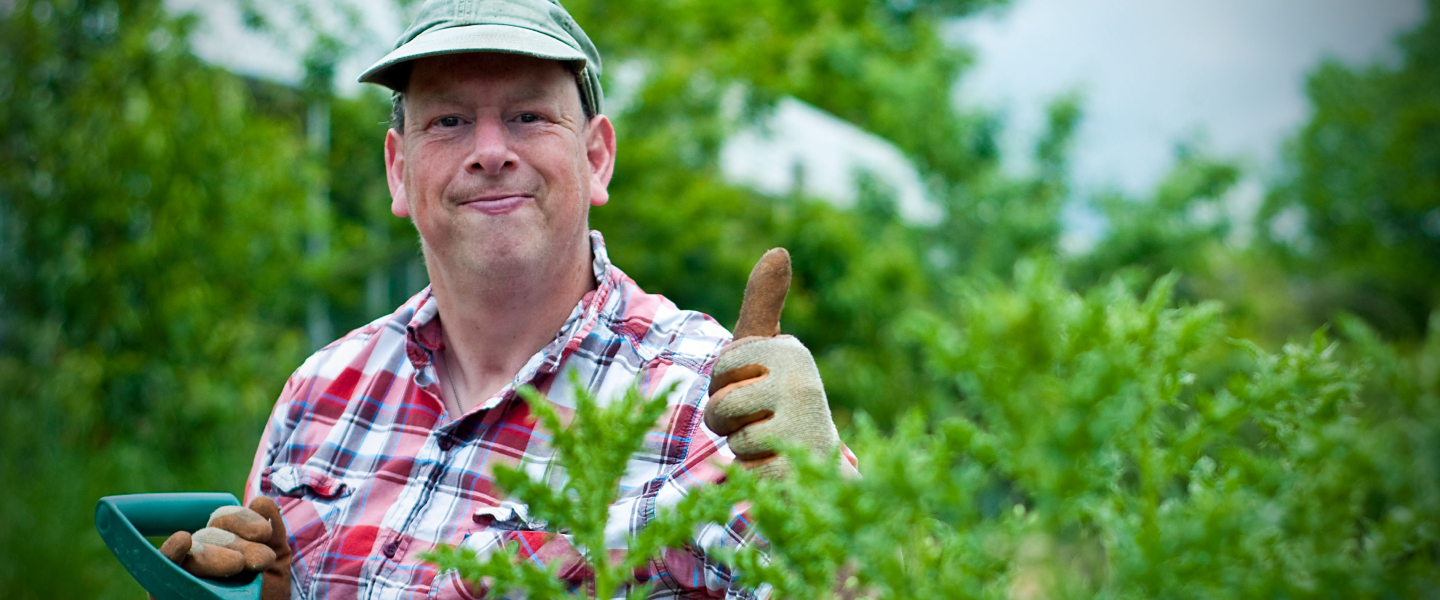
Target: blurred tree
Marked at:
1358, 213
131, 174
154, 285
1182, 226
679, 229
1096, 457
151, 213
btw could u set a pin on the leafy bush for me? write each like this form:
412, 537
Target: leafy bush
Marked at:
1018, 438
149, 225
1356, 215
597, 446
1100, 445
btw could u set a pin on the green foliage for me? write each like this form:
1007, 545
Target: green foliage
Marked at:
1179, 228
131, 172
1108, 446
591, 453
1018, 437
1156, 456
880, 65
148, 228
1359, 212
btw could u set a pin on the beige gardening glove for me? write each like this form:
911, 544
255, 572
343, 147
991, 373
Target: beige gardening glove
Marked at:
765, 386
236, 540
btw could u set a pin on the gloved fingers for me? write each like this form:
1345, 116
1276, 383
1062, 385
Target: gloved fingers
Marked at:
241, 521
176, 547
230, 545
279, 540
257, 557
735, 414
754, 463
722, 382
738, 407
209, 560
808, 423
773, 467
779, 354
755, 441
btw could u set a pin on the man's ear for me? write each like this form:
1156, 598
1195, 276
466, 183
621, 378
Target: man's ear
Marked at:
600, 152
395, 173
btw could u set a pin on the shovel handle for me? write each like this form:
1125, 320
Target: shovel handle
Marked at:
125, 521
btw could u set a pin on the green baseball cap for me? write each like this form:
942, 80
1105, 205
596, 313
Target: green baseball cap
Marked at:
539, 28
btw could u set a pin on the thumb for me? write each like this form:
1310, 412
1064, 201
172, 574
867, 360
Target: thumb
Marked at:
275, 584
765, 296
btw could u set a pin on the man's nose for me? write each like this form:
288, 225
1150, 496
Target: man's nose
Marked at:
491, 152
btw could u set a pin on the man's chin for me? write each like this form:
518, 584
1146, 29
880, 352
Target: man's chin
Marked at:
510, 251
501, 259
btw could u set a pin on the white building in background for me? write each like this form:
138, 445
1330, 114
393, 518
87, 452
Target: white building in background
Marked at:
827, 154
223, 38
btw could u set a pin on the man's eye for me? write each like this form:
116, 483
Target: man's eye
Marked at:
448, 121
529, 117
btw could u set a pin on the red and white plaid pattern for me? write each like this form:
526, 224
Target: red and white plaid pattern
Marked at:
370, 471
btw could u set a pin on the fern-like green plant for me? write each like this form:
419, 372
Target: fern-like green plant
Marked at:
592, 451
1097, 445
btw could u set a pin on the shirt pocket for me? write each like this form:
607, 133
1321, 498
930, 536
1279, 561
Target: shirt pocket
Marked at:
534, 544
311, 501
538, 545
299, 482
449, 586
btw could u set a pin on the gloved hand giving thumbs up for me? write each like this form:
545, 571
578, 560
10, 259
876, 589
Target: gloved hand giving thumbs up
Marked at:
765, 386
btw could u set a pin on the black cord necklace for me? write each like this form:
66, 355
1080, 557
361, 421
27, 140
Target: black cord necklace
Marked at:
451, 377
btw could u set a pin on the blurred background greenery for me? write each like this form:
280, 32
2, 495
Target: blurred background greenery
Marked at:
175, 238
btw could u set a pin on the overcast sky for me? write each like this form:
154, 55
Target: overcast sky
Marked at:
1156, 72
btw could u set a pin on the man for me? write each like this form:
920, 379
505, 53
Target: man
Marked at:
383, 444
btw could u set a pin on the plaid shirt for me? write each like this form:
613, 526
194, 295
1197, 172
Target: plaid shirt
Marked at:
370, 471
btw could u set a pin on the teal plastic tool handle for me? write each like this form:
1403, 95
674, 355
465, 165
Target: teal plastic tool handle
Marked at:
125, 521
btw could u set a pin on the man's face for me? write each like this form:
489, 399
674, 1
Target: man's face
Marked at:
497, 166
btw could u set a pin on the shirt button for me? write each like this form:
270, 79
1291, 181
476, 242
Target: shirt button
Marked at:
390, 548
446, 443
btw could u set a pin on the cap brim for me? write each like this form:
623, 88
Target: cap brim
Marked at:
470, 38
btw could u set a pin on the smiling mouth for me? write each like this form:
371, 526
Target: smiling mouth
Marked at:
496, 204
